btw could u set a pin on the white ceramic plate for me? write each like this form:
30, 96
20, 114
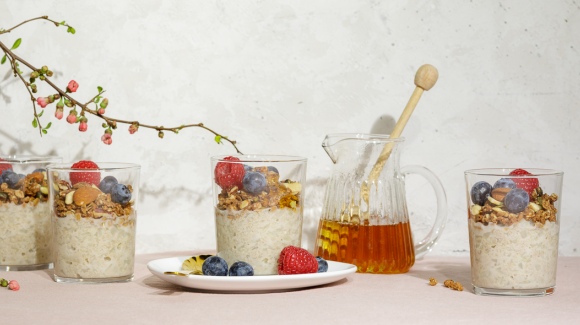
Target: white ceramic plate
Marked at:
336, 271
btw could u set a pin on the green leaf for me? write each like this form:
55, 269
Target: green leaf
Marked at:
34, 123
44, 131
97, 99
39, 115
71, 30
62, 23
48, 126
100, 89
218, 139
16, 44
3, 59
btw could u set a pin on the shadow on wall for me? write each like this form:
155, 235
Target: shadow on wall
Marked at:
25, 148
384, 125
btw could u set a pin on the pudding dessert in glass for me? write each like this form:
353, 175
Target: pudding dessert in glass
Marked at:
25, 229
258, 203
514, 226
93, 207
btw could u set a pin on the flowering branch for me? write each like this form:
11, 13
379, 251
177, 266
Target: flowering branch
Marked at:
65, 98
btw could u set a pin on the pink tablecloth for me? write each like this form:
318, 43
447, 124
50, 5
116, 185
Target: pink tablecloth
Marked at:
359, 299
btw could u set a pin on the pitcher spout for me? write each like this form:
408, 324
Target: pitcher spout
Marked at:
327, 146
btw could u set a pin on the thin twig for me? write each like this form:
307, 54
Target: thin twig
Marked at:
22, 23
110, 121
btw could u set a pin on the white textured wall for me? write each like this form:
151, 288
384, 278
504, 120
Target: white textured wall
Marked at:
279, 75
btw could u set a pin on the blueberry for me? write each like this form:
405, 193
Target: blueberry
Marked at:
120, 194
39, 170
273, 169
504, 183
9, 177
248, 168
21, 176
479, 192
254, 182
106, 185
322, 264
516, 200
241, 269
215, 266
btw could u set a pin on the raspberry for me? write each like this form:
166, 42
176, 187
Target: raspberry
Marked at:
4, 167
526, 184
296, 260
91, 178
229, 174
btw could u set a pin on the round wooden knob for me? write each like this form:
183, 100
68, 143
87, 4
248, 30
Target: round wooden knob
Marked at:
426, 77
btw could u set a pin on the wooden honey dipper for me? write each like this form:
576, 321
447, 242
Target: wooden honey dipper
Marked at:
425, 79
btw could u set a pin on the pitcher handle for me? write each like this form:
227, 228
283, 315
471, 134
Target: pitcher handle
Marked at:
426, 245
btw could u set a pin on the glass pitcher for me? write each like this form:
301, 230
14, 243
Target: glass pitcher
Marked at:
365, 221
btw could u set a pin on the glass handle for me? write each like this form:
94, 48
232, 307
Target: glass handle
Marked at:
424, 246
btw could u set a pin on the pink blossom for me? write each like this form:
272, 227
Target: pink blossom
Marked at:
42, 101
101, 111
72, 119
72, 86
133, 128
58, 114
13, 285
83, 127
106, 138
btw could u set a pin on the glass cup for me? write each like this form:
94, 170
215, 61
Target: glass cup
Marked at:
258, 202
25, 230
514, 226
94, 214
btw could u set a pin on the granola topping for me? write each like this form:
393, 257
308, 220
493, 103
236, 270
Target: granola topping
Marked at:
27, 190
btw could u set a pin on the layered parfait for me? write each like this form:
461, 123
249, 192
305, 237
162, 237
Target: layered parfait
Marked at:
257, 214
25, 228
94, 224
513, 234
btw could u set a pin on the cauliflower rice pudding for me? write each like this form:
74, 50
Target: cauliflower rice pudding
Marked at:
511, 249
255, 223
94, 230
25, 229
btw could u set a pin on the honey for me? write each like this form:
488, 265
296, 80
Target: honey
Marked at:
380, 249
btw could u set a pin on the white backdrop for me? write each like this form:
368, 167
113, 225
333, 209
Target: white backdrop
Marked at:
279, 75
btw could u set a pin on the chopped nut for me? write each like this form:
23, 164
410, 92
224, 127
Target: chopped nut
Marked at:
69, 198
432, 281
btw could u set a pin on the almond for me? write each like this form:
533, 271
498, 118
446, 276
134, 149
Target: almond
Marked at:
85, 195
500, 193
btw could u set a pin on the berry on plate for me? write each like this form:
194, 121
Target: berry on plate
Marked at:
91, 177
296, 260
322, 264
525, 183
479, 192
254, 182
229, 174
120, 194
215, 266
107, 184
516, 200
241, 269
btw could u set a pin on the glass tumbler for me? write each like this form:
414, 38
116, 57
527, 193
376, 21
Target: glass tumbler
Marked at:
25, 230
258, 203
94, 214
514, 226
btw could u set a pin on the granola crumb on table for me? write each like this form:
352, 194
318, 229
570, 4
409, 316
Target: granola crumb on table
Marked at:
432, 281
453, 285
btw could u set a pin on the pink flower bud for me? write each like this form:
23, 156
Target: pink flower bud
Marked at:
51, 99
83, 127
101, 111
58, 114
72, 86
72, 119
106, 138
13, 285
133, 128
105, 103
60, 105
42, 101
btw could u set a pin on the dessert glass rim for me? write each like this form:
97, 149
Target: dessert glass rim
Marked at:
29, 159
534, 172
103, 166
259, 158
365, 137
